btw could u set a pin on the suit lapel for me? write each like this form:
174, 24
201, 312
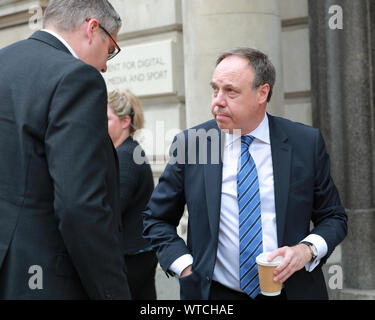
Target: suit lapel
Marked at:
281, 161
213, 180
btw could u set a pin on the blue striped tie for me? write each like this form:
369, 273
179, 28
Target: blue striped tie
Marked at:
250, 223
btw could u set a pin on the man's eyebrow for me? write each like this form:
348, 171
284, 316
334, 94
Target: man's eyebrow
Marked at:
225, 85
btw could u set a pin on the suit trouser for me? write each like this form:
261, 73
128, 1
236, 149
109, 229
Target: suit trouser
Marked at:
141, 275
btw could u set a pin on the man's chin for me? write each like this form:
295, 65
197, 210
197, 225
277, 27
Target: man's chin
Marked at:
224, 127
228, 129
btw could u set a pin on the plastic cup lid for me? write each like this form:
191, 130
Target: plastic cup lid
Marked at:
262, 259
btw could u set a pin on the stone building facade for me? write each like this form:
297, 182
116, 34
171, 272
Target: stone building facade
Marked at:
324, 53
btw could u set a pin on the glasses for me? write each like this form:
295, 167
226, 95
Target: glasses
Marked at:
116, 49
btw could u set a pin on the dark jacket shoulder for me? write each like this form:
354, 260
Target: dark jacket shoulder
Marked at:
291, 126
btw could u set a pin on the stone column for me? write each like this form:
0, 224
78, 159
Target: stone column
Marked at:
212, 26
343, 79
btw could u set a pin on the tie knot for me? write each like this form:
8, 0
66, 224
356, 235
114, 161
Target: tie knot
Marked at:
247, 140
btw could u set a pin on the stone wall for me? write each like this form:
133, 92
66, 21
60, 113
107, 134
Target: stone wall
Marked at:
342, 41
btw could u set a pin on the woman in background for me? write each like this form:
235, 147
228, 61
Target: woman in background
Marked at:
125, 116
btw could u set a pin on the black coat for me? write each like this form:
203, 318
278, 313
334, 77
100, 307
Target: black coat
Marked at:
136, 186
59, 186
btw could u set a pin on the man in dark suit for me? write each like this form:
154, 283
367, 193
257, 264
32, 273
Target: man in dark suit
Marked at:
252, 182
59, 201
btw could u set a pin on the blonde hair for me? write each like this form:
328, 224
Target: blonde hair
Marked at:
125, 103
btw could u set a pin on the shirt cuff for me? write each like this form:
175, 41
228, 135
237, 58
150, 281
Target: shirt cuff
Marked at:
322, 248
180, 264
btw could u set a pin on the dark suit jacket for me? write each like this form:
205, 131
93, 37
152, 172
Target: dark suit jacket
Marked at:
304, 192
136, 186
59, 201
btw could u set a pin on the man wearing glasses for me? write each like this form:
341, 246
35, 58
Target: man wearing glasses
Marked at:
59, 202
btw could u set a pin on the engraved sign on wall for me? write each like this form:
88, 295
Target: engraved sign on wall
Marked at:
145, 69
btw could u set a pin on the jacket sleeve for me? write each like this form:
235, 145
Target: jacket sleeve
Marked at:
165, 209
77, 153
328, 216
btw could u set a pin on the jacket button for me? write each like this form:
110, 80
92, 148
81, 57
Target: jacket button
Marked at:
208, 278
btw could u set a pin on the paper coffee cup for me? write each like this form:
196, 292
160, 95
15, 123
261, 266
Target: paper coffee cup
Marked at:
268, 286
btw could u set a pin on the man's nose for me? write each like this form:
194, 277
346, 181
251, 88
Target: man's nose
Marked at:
220, 99
104, 69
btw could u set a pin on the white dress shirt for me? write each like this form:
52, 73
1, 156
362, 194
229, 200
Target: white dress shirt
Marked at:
63, 41
226, 269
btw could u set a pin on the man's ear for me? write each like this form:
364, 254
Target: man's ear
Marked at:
262, 93
125, 123
90, 28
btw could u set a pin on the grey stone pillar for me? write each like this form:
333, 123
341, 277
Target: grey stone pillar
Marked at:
343, 82
212, 26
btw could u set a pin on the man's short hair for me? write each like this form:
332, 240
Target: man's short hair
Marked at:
263, 68
67, 15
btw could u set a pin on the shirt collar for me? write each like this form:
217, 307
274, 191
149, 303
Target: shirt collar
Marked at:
62, 41
262, 133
